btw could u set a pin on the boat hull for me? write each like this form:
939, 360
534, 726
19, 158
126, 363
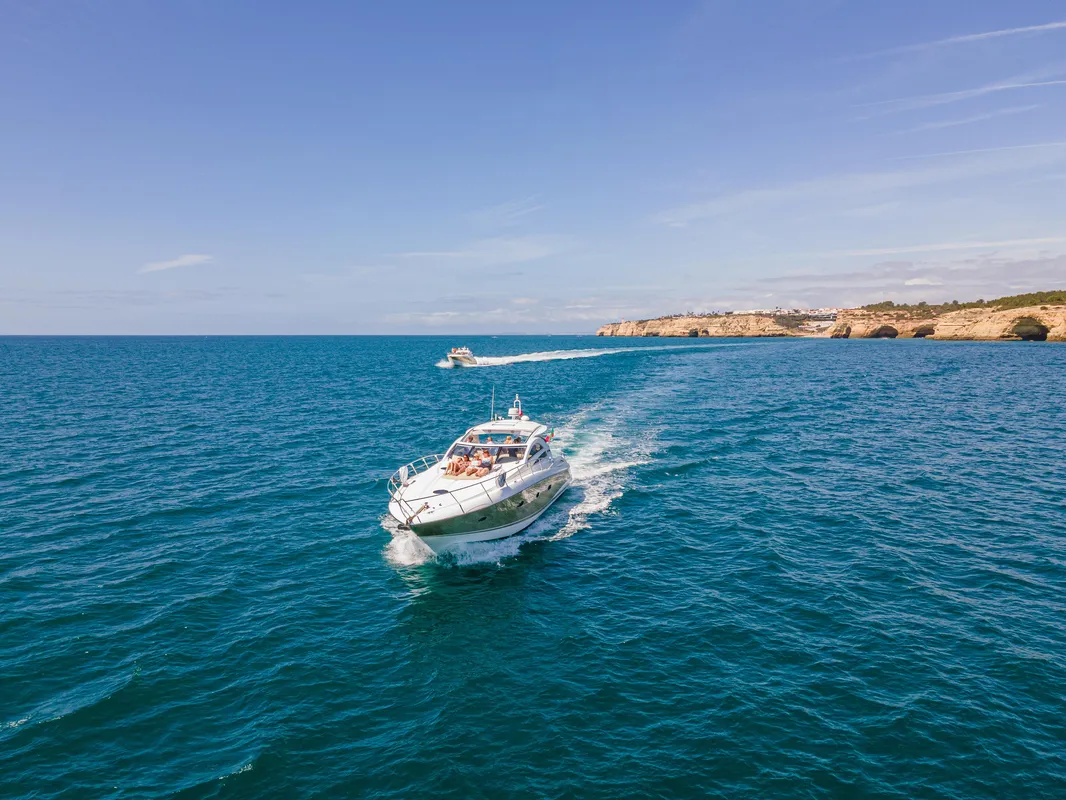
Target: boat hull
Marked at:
462, 361
499, 521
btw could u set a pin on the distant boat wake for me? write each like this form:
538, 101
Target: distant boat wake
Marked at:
565, 355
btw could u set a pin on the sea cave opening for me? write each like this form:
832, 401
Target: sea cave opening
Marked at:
925, 330
884, 332
1030, 330
694, 333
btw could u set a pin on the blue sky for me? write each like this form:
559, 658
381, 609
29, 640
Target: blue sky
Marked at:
421, 167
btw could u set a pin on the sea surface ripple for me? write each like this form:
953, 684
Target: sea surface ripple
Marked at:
786, 568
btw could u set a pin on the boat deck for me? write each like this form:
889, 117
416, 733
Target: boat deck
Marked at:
506, 462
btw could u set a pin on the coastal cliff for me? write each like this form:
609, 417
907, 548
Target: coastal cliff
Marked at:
696, 326
1043, 323
989, 322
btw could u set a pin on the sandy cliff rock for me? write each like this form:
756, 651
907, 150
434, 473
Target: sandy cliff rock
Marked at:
857, 323
986, 324
1013, 324
720, 326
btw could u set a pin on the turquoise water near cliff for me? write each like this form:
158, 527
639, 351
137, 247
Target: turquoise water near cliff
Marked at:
786, 568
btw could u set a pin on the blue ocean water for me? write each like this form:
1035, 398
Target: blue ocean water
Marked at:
786, 568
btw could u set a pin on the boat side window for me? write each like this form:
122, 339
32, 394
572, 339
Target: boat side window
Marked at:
536, 451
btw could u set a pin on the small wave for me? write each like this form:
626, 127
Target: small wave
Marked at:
219, 784
70, 702
566, 355
246, 768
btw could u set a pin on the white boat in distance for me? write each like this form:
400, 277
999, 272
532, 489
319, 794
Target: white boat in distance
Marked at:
510, 479
462, 357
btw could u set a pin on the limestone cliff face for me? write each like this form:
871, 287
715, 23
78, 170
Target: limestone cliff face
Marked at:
721, 326
1015, 323
985, 324
857, 323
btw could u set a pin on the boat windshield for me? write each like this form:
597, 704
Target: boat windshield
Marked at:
497, 449
496, 437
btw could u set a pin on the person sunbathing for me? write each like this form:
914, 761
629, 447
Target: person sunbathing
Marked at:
485, 464
457, 466
481, 466
472, 467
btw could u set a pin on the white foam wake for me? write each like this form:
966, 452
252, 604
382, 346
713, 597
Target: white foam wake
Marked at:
405, 549
566, 355
601, 456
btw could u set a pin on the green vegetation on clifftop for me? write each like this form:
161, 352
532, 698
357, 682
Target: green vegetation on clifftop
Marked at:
1055, 298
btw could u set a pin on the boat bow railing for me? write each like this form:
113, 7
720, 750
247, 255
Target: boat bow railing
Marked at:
403, 476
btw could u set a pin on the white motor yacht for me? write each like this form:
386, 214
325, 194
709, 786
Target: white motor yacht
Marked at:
513, 475
462, 357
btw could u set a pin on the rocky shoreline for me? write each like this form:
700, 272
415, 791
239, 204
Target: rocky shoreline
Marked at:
1029, 323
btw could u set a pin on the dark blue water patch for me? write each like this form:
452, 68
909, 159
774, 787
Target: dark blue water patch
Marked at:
796, 569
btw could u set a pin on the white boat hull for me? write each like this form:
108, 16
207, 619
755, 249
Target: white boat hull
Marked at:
462, 361
441, 544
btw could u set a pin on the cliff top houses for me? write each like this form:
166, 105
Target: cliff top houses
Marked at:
821, 314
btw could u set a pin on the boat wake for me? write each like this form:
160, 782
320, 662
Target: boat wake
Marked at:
600, 457
566, 355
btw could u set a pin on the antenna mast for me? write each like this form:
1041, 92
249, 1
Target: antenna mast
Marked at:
492, 409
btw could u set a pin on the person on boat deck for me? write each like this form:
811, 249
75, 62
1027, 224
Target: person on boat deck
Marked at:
508, 451
485, 464
471, 464
458, 465
481, 466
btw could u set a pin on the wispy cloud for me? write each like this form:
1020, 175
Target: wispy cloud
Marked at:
350, 275
882, 108
497, 311
506, 215
952, 41
954, 123
940, 247
1035, 145
849, 187
190, 260
130, 298
967, 278
498, 250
